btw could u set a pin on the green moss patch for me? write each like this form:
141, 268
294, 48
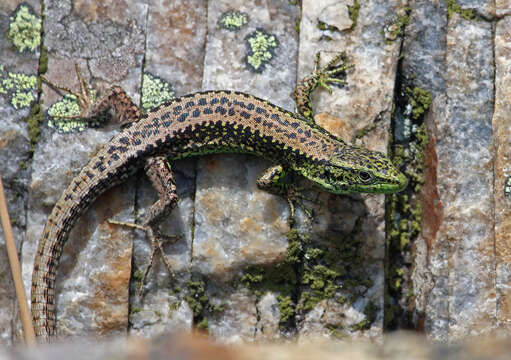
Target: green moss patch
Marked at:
261, 49
396, 27
34, 120
404, 210
311, 272
454, 7
420, 100
199, 303
24, 28
353, 11
370, 311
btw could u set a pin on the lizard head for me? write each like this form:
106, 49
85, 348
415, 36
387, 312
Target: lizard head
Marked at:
354, 170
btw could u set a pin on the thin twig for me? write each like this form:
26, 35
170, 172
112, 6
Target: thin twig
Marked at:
12, 253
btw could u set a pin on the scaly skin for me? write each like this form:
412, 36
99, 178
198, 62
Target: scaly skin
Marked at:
197, 124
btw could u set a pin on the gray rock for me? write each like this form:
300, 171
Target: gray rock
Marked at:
501, 139
455, 281
15, 156
366, 101
93, 276
235, 223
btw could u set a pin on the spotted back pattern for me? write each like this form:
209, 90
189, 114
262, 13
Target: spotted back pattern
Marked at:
197, 124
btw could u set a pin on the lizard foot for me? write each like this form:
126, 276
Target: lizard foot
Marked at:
156, 245
86, 99
332, 72
294, 197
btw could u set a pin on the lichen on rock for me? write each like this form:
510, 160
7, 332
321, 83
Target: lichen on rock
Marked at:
24, 28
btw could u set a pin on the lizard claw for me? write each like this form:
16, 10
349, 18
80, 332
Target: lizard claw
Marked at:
295, 196
329, 74
85, 98
156, 245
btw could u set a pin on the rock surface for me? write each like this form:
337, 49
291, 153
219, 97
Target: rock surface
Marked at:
430, 78
17, 59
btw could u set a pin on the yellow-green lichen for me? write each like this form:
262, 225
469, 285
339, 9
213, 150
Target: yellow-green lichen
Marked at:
233, 20
454, 7
261, 49
396, 28
24, 28
155, 91
353, 11
20, 89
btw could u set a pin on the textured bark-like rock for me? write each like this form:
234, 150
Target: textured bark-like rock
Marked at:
235, 223
174, 53
461, 249
93, 277
19, 57
364, 105
502, 141
422, 66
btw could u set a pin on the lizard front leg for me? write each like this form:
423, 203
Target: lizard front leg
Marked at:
331, 73
280, 181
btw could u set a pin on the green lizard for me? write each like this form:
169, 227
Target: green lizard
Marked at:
197, 124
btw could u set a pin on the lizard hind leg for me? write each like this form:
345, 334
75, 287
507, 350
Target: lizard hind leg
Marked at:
279, 181
160, 175
114, 99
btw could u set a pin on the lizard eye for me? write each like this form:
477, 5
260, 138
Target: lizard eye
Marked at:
364, 176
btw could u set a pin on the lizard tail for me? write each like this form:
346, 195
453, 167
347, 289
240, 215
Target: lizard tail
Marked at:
83, 190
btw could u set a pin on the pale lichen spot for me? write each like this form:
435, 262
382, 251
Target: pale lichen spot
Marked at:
233, 20
155, 91
24, 28
19, 88
64, 115
261, 49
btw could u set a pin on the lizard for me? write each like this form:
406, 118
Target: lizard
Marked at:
216, 121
